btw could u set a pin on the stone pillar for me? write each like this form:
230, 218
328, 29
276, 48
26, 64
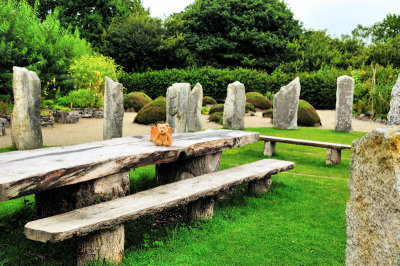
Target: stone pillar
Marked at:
177, 107
269, 148
344, 104
113, 109
26, 132
372, 213
394, 113
235, 105
194, 112
260, 185
286, 105
202, 209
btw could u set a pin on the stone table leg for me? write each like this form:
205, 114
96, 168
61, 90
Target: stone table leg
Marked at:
107, 245
269, 148
260, 185
333, 156
188, 168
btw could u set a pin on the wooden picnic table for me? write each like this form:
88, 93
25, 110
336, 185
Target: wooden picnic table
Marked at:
71, 177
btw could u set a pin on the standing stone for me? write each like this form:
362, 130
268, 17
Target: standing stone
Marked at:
177, 107
234, 107
344, 104
394, 113
194, 112
26, 132
286, 105
113, 109
372, 213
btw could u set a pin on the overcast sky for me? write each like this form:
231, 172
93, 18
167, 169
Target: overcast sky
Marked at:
337, 16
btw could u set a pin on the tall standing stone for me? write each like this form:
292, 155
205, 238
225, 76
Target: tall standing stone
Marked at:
113, 109
194, 112
372, 213
177, 107
286, 105
394, 113
26, 132
234, 107
344, 104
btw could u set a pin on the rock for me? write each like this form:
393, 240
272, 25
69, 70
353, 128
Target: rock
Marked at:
177, 107
235, 106
113, 109
286, 103
26, 132
372, 213
344, 104
368, 114
394, 112
3, 122
66, 117
194, 111
46, 120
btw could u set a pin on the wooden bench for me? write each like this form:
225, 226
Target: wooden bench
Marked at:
333, 154
99, 220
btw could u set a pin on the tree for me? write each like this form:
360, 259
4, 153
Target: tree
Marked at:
382, 31
134, 42
90, 17
232, 33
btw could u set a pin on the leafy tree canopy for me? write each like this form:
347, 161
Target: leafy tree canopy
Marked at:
381, 31
232, 33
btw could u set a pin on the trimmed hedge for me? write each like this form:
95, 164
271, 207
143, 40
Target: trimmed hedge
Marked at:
136, 99
207, 100
318, 88
249, 107
306, 115
219, 107
152, 112
258, 100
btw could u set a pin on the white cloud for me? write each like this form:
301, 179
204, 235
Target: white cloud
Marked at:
163, 8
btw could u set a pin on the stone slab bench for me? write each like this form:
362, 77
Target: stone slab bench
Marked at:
96, 225
333, 154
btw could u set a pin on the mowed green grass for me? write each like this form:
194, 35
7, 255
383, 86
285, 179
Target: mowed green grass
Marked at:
301, 220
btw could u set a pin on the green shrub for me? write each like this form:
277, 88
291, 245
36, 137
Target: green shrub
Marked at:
5, 108
216, 117
83, 98
161, 97
205, 110
219, 107
207, 100
249, 107
152, 112
44, 112
47, 104
306, 115
136, 100
60, 108
258, 100
268, 113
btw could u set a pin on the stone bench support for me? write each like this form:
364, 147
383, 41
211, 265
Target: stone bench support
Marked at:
269, 148
333, 156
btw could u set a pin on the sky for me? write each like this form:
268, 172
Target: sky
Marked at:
336, 16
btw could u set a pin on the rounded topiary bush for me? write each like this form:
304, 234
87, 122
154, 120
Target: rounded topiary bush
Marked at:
216, 108
136, 100
258, 100
207, 100
216, 117
268, 113
250, 107
307, 116
152, 112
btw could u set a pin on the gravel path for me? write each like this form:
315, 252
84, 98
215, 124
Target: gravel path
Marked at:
89, 130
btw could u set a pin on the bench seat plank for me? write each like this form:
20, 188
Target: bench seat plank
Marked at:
29, 172
109, 214
320, 144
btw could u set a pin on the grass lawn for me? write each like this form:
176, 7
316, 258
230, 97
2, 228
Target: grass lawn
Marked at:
301, 220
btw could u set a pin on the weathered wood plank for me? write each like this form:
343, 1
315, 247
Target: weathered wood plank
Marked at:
320, 144
109, 214
29, 172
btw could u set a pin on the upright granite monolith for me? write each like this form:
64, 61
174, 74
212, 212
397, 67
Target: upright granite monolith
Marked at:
194, 112
344, 104
372, 213
394, 112
26, 132
234, 107
113, 109
177, 107
286, 104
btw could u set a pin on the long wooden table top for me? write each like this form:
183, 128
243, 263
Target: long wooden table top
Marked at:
28, 172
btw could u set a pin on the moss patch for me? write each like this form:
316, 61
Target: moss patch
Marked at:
152, 112
258, 100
